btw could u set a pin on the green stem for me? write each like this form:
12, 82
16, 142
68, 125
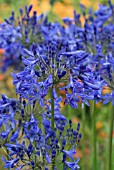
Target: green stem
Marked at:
69, 112
110, 137
52, 109
92, 110
52, 119
63, 166
83, 140
95, 140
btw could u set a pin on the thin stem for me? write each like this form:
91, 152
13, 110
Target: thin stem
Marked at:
63, 166
95, 140
110, 137
83, 140
52, 119
92, 110
52, 109
69, 112
52, 103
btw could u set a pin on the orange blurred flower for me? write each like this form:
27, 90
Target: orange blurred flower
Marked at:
78, 154
1, 77
86, 3
89, 3
63, 10
67, 2
95, 6
87, 150
40, 6
103, 134
75, 120
2, 51
99, 125
82, 20
35, 5
44, 6
98, 105
105, 90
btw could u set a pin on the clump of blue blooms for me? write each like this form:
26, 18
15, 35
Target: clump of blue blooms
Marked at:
29, 138
33, 131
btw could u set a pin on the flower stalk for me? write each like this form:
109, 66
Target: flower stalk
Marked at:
110, 137
52, 108
92, 111
52, 119
83, 141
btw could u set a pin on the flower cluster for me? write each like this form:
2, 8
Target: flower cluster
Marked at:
29, 138
32, 128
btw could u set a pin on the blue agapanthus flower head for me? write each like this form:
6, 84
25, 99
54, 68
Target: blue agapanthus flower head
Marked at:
49, 65
17, 33
38, 140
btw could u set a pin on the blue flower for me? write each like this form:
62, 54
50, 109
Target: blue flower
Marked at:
13, 37
15, 135
31, 128
70, 153
5, 134
109, 98
16, 149
73, 165
11, 163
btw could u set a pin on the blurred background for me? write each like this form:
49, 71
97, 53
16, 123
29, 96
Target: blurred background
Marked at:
56, 10
47, 6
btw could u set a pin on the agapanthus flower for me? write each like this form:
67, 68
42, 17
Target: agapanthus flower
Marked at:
16, 33
70, 153
71, 67
5, 134
11, 163
40, 143
15, 135
73, 165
